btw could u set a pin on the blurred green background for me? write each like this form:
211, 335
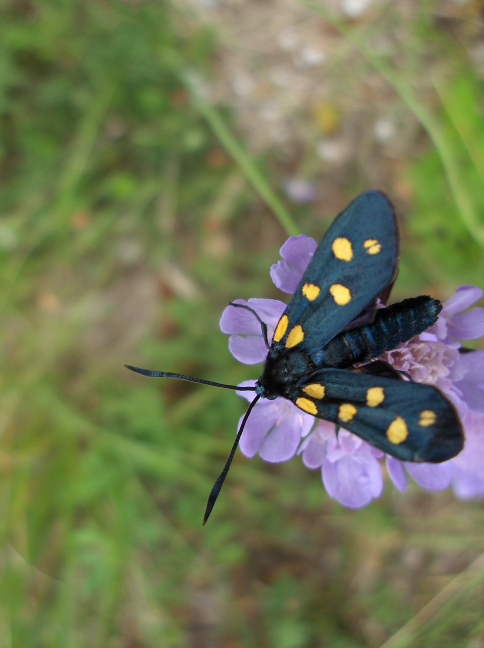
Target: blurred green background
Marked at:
133, 135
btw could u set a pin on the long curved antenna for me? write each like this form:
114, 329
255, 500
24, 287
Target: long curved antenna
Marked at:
263, 325
166, 374
214, 493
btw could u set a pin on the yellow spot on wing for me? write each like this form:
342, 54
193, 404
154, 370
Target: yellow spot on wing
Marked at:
342, 249
310, 291
281, 328
346, 412
307, 406
315, 390
341, 294
372, 246
427, 417
397, 431
295, 337
375, 396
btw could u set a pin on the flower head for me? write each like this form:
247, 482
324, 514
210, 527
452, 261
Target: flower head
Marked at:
351, 469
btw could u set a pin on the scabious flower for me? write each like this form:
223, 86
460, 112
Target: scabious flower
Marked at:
300, 191
351, 469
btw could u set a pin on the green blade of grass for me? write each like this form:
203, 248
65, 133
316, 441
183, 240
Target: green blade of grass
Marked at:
247, 166
406, 635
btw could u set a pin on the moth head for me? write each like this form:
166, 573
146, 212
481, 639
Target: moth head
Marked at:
280, 373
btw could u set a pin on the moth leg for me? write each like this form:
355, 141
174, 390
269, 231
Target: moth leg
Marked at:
263, 325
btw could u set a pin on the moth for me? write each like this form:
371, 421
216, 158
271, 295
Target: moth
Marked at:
323, 354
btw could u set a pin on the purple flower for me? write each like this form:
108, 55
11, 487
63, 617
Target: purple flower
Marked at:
299, 190
351, 469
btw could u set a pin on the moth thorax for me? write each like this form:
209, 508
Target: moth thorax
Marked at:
295, 364
288, 369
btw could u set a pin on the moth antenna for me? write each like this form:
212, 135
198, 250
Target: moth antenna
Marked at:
263, 325
214, 493
166, 374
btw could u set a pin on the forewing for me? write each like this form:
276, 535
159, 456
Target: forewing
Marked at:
410, 421
356, 260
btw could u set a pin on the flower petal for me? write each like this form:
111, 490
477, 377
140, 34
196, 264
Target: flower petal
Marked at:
473, 395
468, 485
263, 418
248, 395
463, 298
468, 326
274, 429
248, 350
314, 452
349, 442
305, 421
317, 445
436, 332
468, 475
431, 476
354, 480
296, 253
396, 473
469, 379
472, 366
242, 322
282, 442
239, 322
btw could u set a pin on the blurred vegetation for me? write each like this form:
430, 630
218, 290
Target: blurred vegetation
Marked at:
125, 229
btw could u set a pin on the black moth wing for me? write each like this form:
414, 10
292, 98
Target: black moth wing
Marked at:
410, 421
354, 263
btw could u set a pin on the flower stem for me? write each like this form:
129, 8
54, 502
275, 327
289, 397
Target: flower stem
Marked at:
245, 163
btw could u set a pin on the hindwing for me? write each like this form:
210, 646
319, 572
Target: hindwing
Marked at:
354, 263
410, 421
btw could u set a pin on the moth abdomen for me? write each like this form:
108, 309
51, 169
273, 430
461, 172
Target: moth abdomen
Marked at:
400, 322
393, 325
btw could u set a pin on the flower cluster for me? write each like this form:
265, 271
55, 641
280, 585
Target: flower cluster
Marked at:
351, 469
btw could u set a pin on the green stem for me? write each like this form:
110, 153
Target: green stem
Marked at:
469, 145
408, 634
247, 166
